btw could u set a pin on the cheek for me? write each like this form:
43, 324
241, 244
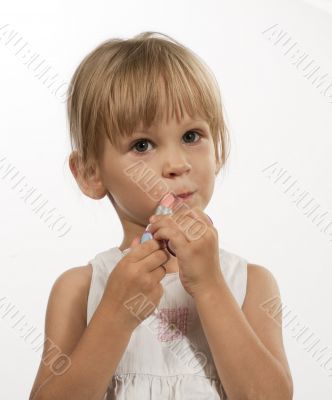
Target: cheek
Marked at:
133, 202
207, 180
206, 173
136, 192
205, 162
146, 177
129, 184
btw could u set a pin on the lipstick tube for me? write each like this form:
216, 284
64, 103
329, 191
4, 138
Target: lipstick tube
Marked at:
163, 208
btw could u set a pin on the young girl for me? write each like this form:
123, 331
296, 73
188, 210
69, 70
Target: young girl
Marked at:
142, 320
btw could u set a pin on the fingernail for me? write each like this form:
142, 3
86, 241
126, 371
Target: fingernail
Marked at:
146, 236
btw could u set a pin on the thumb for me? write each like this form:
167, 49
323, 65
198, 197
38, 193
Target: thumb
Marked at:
135, 242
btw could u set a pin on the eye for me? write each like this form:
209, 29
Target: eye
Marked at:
140, 144
190, 134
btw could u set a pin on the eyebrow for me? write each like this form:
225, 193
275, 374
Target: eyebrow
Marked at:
183, 125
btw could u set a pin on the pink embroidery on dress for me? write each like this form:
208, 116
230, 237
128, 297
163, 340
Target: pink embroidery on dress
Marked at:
172, 323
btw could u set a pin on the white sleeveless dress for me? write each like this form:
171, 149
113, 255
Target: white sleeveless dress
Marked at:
167, 356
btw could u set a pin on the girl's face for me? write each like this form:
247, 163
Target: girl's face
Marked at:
173, 157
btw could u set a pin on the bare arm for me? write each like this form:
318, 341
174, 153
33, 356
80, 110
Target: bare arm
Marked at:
246, 344
94, 351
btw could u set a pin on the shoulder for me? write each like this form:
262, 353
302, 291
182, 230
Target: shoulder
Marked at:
73, 284
260, 282
262, 288
260, 273
65, 319
75, 278
80, 276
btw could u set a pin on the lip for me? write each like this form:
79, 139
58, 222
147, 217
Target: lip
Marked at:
185, 195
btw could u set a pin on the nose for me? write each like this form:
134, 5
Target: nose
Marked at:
175, 164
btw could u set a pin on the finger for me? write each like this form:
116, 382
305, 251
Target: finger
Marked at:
199, 215
135, 242
178, 221
142, 250
177, 238
201, 222
158, 273
182, 223
191, 222
153, 260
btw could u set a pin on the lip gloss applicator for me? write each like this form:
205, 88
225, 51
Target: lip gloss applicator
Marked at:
164, 208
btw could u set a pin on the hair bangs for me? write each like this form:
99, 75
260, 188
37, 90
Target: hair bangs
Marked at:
147, 91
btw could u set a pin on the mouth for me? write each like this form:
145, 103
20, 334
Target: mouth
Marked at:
185, 196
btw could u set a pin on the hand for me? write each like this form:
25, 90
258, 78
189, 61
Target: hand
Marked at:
133, 288
193, 237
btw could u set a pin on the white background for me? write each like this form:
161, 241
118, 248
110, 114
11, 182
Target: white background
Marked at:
275, 115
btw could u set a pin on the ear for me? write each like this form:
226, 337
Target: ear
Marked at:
89, 181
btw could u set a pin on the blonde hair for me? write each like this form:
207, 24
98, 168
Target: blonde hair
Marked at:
124, 82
